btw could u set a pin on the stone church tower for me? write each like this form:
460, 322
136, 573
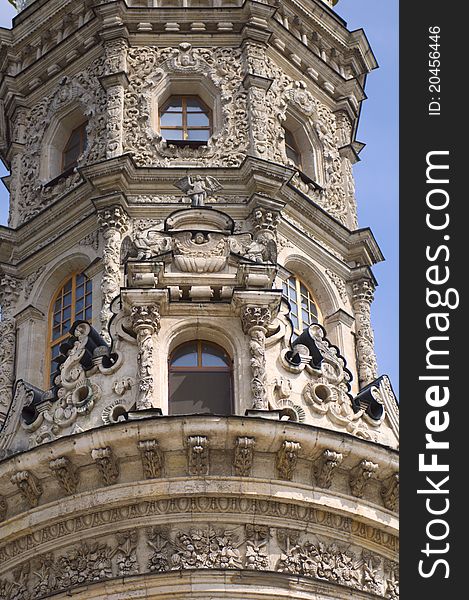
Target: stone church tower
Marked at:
189, 395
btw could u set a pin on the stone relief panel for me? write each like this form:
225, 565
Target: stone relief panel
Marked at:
149, 67
83, 90
224, 546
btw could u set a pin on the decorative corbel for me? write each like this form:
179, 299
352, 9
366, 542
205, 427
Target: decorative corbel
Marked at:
152, 459
287, 458
107, 464
66, 474
197, 455
244, 456
29, 487
390, 492
360, 476
325, 466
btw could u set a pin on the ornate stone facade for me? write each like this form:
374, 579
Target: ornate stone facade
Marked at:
279, 476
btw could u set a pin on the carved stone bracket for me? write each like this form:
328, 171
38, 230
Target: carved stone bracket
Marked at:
152, 459
66, 474
197, 455
287, 458
360, 476
29, 487
255, 320
362, 297
107, 464
244, 456
390, 491
325, 466
113, 222
146, 323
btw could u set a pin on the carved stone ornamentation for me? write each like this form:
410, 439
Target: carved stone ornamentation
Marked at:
66, 474
198, 188
9, 293
107, 465
287, 458
325, 466
29, 486
146, 322
152, 459
113, 222
390, 492
257, 539
148, 67
360, 476
244, 456
3, 508
126, 553
255, 320
363, 292
197, 455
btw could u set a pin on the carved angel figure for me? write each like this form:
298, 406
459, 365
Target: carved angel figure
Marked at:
262, 249
198, 188
150, 242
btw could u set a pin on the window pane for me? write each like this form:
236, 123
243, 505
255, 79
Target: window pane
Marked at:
214, 357
172, 134
194, 105
174, 104
185, 356
79, 305
171, 120
88, 314
198, 135
294, 319
197, 120
200, 392
68, 286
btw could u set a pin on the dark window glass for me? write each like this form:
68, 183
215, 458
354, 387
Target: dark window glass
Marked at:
292, 149
200, 380
74, 147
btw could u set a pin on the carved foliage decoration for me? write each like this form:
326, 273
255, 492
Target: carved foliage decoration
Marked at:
150, 66
83, 90
360, 476
197, 455
152, 458
29, 486
325, 466
9, 292
390, 492
107, 465
287, 458
146, 322
255, 320
66, 474
363, 293
244, 456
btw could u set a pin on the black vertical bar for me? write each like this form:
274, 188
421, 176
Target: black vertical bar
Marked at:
433, 268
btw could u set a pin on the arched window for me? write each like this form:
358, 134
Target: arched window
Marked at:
185, 119
303, 308
200, 379
291, 148
72, 302
74, 147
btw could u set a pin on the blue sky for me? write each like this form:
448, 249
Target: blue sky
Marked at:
376, 175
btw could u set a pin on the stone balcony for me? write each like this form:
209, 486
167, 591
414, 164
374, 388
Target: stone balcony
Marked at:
239, 505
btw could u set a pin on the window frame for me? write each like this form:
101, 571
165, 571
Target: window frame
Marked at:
51, 343
311, 300
201, 369
206, 110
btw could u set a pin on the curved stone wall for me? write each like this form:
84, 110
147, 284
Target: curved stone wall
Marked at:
178, 506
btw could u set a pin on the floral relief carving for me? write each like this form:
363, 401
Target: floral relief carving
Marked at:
360, 476
126, 553
83, 90
390, 492
152, 458
325, 467
244, 456
148, 66
66, 474
29, 486
257, 539
10, 288
146, 323
287, 458
197, 455
107, 464
363, 293
113, 222
255, 320
3, 508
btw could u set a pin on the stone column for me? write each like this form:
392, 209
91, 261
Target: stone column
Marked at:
9, 292
114, 82
146, 323
16, 152
255, 320
363, 292
257, 83
113, 222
